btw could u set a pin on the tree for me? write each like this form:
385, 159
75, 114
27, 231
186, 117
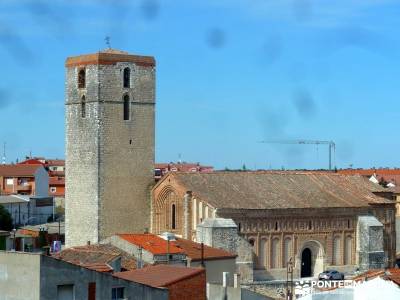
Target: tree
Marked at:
6, 222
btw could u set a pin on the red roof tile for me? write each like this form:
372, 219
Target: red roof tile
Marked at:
33, 161
99, 267
96, 256
159, 275
19, 170
193, 250
389, 274
107, 57
151, 242
55, 162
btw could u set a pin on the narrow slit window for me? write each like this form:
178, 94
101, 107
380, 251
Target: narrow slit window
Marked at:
83, 107
126, 107
173, 216
82, 79
127, 78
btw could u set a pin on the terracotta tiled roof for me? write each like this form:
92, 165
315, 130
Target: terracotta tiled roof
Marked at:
107, 57
96, 256
388, 175
279, 190
193, 250
33, 161
151, 242
159, 275
19, 170
55, 162
369, 172
99, 267
389, 274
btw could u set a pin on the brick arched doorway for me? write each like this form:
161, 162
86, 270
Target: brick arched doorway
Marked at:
311, 256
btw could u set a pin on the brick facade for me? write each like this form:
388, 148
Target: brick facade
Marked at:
192, 288
278, 234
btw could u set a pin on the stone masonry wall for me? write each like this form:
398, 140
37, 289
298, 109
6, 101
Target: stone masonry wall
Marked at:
126, 151
109, 160
82, 159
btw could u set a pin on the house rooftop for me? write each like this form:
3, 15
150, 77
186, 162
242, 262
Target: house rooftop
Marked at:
193, 251
159, 275
6, 199
19, 170
388, 274
151, 243
97, 257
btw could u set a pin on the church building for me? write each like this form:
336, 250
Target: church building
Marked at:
317, 220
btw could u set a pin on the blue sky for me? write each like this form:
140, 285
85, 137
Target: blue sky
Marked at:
229, 73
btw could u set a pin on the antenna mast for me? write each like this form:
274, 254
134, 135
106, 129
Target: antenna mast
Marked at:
3, 161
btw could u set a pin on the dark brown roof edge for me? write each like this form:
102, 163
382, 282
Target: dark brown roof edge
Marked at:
215, 258
200, 270
102, 58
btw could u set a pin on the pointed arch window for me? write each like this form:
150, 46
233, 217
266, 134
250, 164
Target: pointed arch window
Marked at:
127, 78
126, 107
173, 215
82, 79
83, 106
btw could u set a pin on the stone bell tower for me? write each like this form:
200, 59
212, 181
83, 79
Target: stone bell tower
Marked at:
110, 104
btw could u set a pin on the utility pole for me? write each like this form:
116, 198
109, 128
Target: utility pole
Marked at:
331, 146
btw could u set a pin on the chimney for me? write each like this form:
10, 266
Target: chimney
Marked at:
140, 260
